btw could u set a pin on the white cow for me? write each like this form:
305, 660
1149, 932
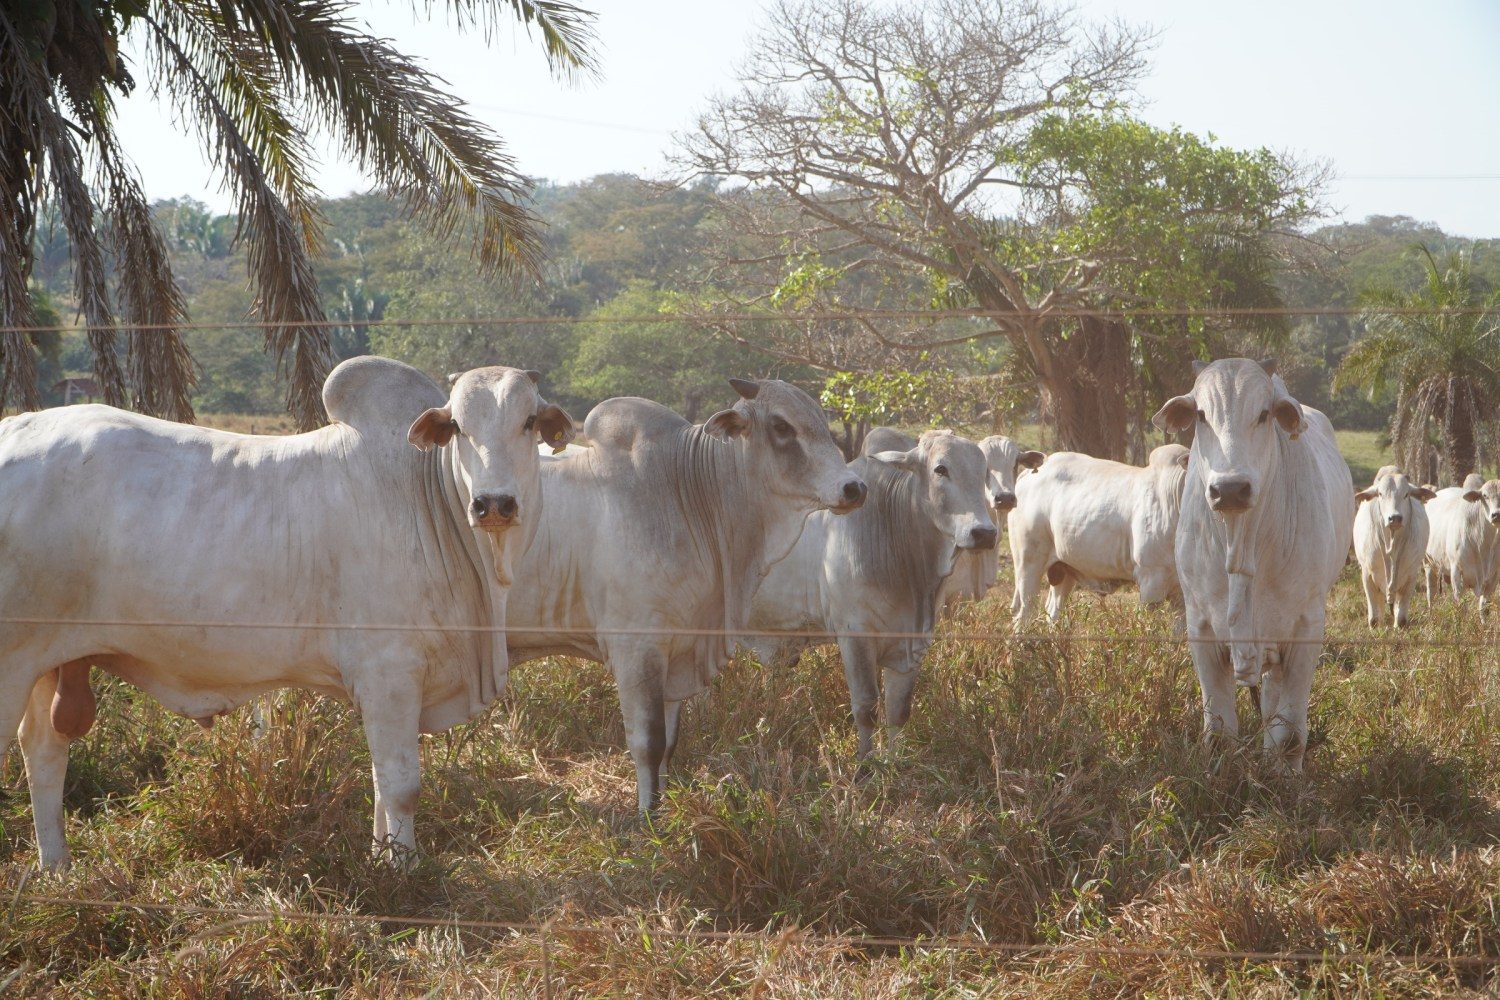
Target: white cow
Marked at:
977, 570
880, 569
1463, 544
1080, 518
655, 538
1390, 542
257, 559
1266, 525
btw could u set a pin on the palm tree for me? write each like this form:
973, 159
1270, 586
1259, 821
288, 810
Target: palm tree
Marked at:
254, 77
1438, 348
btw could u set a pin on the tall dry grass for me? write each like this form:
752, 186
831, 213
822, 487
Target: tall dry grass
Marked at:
1048, 793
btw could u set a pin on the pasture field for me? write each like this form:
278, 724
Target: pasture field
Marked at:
1050, 791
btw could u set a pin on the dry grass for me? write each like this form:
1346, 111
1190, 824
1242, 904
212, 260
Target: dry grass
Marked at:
1047, 793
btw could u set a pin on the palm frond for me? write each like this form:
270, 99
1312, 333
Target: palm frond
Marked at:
280, 263
567, 31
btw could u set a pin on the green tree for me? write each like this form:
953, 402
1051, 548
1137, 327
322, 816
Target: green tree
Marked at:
252, 77
1436, 349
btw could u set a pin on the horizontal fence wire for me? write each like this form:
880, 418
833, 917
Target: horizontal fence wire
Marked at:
846, 315
852, 942
828, 635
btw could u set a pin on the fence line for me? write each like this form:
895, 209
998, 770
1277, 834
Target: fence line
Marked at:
548, 929
749, 632
867, 315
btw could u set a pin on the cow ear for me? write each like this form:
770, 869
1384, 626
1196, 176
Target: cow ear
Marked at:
1288, 413
1423, 493
726, 424
433, 429
454, 377
911, 461
535, 376
555, 426
1268, 365
747, 388
1363, 495
1198, 367
1183, 458
1473, 496
1177, 414
1030, 460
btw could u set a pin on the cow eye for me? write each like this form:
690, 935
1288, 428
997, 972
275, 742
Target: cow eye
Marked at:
530, 422
1263, 415
940, 470
1201, 418
781, 427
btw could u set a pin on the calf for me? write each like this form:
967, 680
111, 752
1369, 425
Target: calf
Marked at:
1390, 542
880, 569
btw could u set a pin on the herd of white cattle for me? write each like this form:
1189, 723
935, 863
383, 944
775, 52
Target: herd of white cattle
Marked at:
405, 556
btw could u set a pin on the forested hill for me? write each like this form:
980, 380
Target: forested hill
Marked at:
621, 247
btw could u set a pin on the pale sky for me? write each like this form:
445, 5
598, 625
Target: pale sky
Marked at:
1402, 98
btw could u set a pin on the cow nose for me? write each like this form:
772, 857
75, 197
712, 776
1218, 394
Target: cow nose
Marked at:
983, 538
1495, 517
854, 493
506, 506
493, 508
1229, 493
1005, 500
1394, 520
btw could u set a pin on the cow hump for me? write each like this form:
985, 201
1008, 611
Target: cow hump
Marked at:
373, 393
624, 422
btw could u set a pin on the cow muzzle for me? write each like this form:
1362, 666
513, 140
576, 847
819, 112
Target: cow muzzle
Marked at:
1230, 494
851, 496
493, 510
1004, 501
1394, 522
980, 538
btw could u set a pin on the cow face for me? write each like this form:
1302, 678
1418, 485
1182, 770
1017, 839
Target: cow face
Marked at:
1487, 495
954, 475
1006, 461
493, 422
1239, 410
788, 446
1393, 497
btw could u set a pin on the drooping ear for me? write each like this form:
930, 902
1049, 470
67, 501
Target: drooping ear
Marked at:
747, 388
1430, 488
1363, 495
1288, 413
1030, 460
1177, 414
726, 424
911, 460
1422, 493
535, 376
1198, 367
454, 377
1268, 365
1473, 496
433, 429
555, 426
1183, 458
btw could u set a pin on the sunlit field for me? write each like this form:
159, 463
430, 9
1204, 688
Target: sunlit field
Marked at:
1051, 791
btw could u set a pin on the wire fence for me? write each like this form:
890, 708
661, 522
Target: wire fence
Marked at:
1036, 951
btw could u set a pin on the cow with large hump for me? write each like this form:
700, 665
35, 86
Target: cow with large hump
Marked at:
1463, 541
206, 567
1081, 519
1265, 529
977, 570
1390, 542
880, 569
655, 538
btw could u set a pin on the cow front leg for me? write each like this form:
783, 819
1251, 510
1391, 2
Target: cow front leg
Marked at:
1216, 680
45, 751
641, 682
391, 723
1374, 600
1286, 710
672, 712
899, 685
862, 674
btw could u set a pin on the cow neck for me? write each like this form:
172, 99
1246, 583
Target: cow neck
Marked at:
894, 544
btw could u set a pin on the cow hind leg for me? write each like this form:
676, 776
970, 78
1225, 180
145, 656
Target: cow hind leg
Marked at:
45, 750
672, 717
1063, 579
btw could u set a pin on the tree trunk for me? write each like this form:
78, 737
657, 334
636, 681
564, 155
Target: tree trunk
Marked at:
1458, 431
1084, 388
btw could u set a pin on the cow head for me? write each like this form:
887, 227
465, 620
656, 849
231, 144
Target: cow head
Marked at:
954, 477
1393, 496
1489, 496
788, 446
1006, 461
1239, 412
493, 421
